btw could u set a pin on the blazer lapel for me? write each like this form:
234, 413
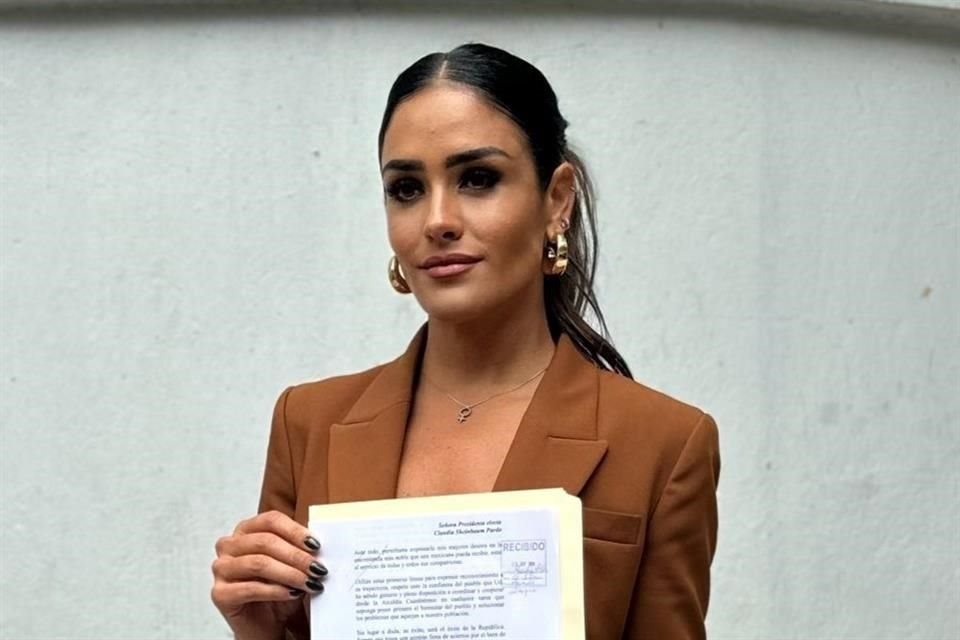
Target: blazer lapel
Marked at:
364, 453
556, 444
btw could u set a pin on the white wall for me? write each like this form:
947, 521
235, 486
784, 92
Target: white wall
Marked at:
190, 220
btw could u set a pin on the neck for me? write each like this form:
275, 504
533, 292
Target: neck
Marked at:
484, 356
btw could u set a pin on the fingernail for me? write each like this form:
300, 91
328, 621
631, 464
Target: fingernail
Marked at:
296, 593
313, 585
311, 543
318, 569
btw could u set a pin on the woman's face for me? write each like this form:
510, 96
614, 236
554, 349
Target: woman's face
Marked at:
465, 213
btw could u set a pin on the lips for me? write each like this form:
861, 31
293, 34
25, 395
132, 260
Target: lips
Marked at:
451, 264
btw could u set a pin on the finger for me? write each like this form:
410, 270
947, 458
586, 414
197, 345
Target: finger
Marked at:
232, 595
282, 525
272, 546
259, 567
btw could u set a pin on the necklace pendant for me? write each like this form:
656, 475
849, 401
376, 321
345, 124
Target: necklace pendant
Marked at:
463, 414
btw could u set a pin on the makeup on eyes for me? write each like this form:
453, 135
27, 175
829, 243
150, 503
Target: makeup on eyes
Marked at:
489, 177
476, 179
400, 189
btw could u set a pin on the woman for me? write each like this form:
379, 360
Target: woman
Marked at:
505, 387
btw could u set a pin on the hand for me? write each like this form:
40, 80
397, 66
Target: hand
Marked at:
261, 573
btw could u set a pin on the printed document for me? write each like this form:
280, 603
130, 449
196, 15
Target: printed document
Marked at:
505, 565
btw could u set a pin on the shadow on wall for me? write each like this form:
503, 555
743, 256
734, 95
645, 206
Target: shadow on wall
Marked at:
930, 20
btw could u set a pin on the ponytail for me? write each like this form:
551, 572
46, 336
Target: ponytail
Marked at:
570, 295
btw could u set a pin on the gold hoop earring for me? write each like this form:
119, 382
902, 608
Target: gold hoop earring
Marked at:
557, 255
397, 281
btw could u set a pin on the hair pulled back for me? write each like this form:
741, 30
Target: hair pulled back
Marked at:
519, 90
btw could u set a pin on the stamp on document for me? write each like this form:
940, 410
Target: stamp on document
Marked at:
523, 563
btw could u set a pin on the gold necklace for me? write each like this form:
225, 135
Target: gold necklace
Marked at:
466, 410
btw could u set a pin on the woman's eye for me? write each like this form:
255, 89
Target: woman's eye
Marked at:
479, 179
404, 189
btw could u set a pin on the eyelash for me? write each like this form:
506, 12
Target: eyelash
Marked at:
489, 179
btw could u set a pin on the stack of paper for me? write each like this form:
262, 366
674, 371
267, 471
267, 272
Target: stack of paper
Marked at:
466, 567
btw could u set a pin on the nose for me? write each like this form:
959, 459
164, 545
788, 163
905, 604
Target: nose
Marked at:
444, 222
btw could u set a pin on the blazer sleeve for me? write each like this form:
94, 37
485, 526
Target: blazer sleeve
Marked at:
279, 493
672, 589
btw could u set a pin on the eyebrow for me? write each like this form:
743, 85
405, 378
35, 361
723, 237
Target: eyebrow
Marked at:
463, 157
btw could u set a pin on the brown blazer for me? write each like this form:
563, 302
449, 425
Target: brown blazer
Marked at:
644, 465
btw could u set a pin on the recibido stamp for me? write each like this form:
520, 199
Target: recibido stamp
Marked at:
523, 564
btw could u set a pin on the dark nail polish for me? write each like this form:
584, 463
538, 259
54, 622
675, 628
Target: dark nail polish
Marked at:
311, 543
313, 585
296, 592
318, 569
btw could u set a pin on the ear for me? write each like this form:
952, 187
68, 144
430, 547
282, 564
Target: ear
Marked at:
558, 200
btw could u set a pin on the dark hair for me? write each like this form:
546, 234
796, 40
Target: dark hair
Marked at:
518, 89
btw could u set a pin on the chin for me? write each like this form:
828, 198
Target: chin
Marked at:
468, 304
455, 306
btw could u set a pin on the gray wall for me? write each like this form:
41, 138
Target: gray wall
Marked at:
190, 220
